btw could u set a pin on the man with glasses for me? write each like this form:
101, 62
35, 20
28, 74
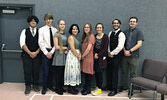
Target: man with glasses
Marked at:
134, 39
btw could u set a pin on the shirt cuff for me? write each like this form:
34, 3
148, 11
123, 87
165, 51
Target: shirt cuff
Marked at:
53, 50
111, 53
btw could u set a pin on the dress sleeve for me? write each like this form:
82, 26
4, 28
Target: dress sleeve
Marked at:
91, 39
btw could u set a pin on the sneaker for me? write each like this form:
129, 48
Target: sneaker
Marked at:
27, 90
98, 91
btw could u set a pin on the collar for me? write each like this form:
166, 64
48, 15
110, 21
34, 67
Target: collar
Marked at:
48, 26
132, 29
32, 28
116, 30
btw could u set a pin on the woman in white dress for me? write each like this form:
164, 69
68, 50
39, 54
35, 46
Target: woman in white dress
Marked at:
72, 75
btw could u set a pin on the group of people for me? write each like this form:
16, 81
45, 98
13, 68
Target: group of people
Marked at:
62, 56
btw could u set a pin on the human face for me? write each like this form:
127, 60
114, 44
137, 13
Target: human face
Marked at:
33, 24
62, 25
116, 25
99, 28
49, 22
74, 30
132, 23
86, 28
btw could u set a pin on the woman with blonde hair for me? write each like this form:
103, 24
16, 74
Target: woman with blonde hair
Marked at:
60, 44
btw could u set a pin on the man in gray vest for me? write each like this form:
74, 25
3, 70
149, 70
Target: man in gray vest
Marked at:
134, 40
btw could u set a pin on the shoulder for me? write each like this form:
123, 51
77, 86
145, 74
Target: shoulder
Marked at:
23, 31
125, 31
121, 33
56, 35
109, 33
54, 28
92, 36
42, 28
71, 37
138, 30
105, 35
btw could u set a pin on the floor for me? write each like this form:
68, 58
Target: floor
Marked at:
15, 91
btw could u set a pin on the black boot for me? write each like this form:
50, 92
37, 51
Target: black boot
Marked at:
88, 84
36, 88
84, 89
27, 90
71, 90
74, 88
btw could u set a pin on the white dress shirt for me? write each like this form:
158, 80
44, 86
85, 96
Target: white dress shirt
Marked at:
23, 36
121, 42
44, 39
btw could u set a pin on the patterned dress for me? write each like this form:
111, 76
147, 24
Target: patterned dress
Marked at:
72, 75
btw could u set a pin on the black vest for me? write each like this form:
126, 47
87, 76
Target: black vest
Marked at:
30, 41
114, 40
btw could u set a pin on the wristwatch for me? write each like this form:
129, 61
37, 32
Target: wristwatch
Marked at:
130, 51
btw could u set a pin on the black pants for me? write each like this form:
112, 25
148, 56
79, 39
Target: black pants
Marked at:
88, 81
31, 69
99, 79
112, 73
59, 77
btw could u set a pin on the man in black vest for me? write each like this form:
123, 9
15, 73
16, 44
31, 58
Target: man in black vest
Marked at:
31, 54
116, 44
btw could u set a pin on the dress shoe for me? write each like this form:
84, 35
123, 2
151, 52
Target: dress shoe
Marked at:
52, 89
76, 90
86, 92
83, 90
112, 93
36, 88
44, 91
59, 92
64, 90
121, 89
72, 91
27, 90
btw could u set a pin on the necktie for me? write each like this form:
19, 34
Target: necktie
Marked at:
51, 37
33, 32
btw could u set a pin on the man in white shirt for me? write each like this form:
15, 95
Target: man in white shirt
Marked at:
116, 44
45, 41
31, 54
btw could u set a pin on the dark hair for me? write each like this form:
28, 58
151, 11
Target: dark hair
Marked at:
117, 20
30, 18
100, 24
48, 16
133, 18
71, 27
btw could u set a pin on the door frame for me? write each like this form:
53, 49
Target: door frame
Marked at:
14, 6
